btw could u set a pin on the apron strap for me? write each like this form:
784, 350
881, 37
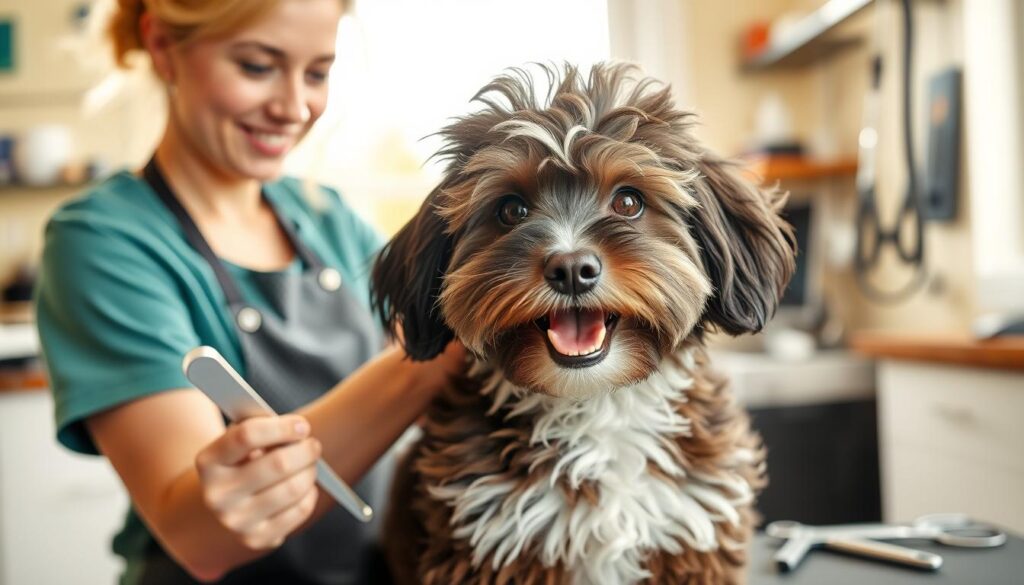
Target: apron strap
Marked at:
308, 256
152, 174
195, 238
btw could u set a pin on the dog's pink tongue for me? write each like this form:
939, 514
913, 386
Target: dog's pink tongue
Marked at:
576, 332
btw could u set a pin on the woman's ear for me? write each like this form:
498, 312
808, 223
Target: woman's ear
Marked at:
407, 280
747, 249
158, 43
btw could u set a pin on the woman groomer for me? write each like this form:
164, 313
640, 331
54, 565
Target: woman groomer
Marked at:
207, 245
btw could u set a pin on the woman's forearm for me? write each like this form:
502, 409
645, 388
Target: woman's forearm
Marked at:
356, 422
194, 536
361, 417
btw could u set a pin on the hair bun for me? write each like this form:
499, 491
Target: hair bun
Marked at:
123, 29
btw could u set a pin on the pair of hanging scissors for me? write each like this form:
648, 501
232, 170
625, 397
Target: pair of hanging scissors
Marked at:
862, 539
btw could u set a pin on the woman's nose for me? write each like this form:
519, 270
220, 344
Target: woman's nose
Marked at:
292, 104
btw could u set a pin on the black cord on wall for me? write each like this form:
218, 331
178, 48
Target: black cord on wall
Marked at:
872, 236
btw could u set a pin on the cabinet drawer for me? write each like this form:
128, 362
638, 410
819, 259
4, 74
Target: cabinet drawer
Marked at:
970, 414
918, 481
58, 510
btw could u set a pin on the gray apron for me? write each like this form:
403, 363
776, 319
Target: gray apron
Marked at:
317, 334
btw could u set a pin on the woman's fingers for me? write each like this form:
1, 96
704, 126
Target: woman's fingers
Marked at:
241, 439
453, 358
259, 478
271, 532
258, 508
273, 467
234, 484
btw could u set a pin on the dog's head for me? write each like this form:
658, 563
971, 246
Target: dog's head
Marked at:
578, 239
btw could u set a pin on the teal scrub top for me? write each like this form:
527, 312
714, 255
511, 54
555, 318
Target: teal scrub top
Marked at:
122, 297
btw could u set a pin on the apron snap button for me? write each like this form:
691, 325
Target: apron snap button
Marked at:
249, 320
330, 279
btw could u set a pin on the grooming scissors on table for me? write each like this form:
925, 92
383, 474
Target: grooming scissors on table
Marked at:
862, 539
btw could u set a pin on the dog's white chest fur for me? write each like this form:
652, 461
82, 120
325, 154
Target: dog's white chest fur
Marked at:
608, 441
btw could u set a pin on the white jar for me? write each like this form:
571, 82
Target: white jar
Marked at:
42, 153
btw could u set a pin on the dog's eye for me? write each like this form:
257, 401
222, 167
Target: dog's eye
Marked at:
628, 203
512, 210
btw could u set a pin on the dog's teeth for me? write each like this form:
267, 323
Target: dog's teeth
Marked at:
553, 338
598, 344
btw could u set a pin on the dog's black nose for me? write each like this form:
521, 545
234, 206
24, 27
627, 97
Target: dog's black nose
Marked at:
574, 273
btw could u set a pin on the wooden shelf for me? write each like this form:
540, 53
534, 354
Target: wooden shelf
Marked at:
42, 98
1002, 353
56, 188
789, 168
23, 380
806, 42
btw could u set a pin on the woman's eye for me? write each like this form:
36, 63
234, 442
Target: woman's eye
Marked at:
254, 69
317, 77
628, 203
512, 210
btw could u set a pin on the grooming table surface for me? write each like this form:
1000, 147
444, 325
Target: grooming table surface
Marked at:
961, 566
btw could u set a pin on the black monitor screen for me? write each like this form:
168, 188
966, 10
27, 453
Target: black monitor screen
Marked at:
799, 216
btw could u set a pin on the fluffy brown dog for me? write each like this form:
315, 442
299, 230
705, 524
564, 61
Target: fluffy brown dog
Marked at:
580, 246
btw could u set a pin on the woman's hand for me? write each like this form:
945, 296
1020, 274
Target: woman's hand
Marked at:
259, 478
453, 359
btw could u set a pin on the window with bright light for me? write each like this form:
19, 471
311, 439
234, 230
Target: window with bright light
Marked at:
405, 68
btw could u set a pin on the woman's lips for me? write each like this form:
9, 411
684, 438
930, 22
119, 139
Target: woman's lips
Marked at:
268, 143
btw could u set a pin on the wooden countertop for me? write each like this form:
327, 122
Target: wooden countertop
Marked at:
1005, 353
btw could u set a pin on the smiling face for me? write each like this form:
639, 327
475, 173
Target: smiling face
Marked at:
245, 100
576, 243
573, 270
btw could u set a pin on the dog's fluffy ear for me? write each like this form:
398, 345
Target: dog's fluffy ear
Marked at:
407, 279
747, 249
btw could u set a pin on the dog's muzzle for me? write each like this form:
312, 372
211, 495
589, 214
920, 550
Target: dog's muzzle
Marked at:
577, 337
573, 273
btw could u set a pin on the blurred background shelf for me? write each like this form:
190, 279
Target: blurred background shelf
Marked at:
807, 40
59, 189
43, 98
781, 168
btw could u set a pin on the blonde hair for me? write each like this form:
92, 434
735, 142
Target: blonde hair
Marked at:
186, 20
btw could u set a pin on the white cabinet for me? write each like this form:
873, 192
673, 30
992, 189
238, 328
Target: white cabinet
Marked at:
951, 441
18, 341
58, 510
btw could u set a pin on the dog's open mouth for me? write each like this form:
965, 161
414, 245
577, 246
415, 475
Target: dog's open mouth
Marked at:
578, 338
